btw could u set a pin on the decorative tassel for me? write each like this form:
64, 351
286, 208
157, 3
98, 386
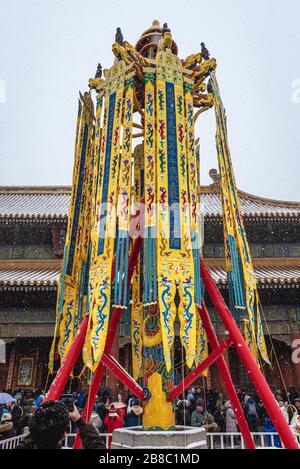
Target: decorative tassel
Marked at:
202, 344
236, 277
137, 280
261, 343
124, 206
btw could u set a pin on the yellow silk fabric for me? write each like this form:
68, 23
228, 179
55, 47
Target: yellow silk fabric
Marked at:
102, 260
70, 300
233, 225
175, 268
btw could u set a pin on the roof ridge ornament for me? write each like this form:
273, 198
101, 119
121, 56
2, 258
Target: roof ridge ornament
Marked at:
215, 176
119, 37
204, 51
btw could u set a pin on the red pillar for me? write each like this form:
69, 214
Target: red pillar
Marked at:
10, 368
114, 322
112, 380
68, 363
220, 338
216, 380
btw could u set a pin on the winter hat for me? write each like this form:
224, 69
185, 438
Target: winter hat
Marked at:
6, 417
200, 402
112, 410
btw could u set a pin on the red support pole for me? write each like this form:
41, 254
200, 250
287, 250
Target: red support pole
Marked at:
97, 378
111, 363
226, 378
74, 351
68, 363
191, 377
249, 362
71, 357
113, 325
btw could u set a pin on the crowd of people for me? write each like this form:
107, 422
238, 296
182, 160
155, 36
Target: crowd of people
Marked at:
213, 411
197, 408
26, 412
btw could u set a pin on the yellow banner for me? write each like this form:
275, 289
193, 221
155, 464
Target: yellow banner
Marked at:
175, 268
235, 236
104, 231
69, 302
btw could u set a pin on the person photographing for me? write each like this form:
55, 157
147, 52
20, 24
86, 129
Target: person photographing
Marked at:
49, 424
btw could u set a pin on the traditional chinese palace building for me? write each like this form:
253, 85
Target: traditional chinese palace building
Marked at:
32, 230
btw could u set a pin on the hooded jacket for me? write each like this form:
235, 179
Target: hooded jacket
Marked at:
231, 425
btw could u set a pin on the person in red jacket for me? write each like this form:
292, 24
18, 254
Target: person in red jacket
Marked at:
112, 421
122, 412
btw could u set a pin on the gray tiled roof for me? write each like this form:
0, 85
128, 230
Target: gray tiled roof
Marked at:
35, 203
38, 203
251, 206
29, 277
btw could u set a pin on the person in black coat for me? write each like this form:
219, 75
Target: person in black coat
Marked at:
49, 425
17, 413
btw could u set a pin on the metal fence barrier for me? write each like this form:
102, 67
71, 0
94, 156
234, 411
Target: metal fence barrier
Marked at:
214, 440
235, 440
12, 443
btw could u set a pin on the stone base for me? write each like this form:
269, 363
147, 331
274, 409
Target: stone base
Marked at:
182, 437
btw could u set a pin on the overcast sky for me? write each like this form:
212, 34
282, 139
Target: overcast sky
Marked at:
49, 49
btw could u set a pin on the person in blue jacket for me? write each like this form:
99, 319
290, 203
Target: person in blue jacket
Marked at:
134, 417
273, 441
